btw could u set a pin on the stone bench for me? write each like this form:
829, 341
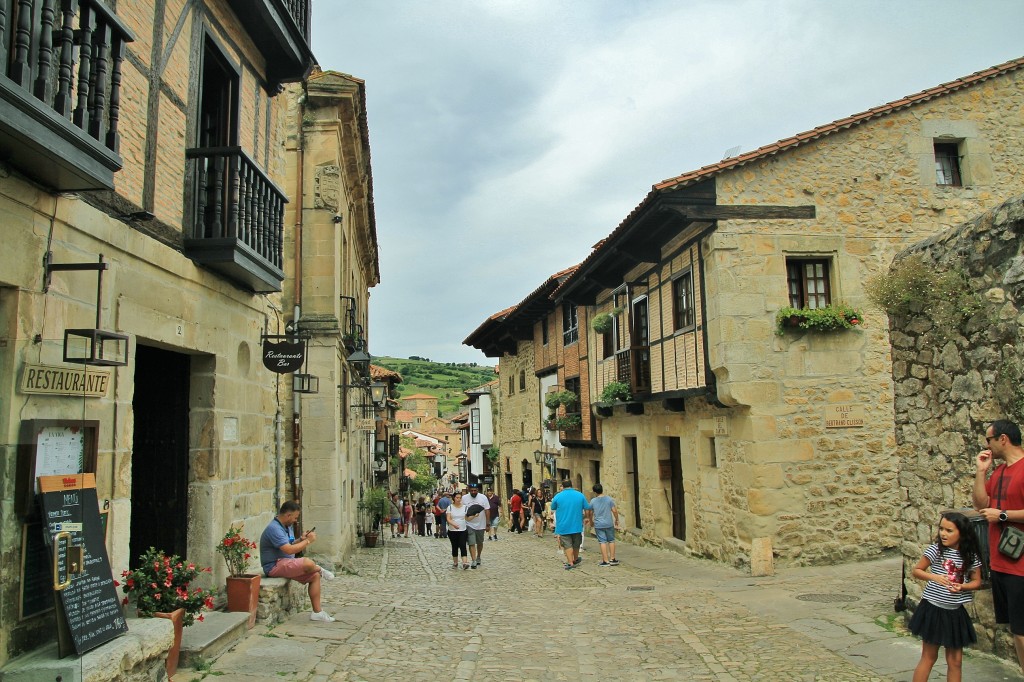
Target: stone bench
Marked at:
279, 598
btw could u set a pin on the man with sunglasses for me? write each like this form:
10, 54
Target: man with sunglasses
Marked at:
1000, 499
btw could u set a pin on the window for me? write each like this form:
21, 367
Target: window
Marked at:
218, 115
570, 324
522, 380
511, 386
544, 330
612, 341
947, 164
808, 283
682, 301
574, 386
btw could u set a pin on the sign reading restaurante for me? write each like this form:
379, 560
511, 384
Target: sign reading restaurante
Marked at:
50, 380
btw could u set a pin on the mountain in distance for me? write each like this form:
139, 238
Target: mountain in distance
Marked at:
446, 380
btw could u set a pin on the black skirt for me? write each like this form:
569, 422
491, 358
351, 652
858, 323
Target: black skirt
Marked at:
950, 628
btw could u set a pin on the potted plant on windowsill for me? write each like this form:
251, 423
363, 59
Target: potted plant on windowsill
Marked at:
605, 322
243, 589
830, 318
569, 422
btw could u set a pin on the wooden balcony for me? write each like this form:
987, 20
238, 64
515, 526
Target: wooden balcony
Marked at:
237, 218
281, 30
633, 367
60, 91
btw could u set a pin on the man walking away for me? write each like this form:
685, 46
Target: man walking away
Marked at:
476, 527
515, 513
1000, 499
605, 519
569, 506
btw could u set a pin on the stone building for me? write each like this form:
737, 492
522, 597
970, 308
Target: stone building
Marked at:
330, 265
953, 376
740, 430
166, 167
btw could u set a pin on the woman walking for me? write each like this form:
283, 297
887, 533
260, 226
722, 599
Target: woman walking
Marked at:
456, 517
537, 505
407, 516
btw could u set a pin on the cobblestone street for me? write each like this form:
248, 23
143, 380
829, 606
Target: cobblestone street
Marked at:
404, 614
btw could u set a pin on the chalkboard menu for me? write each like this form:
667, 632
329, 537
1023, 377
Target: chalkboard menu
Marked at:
89, 613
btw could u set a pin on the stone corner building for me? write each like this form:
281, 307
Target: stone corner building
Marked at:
950, 383
736, 430
166, 157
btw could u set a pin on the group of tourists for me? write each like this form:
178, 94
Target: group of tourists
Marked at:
951, 565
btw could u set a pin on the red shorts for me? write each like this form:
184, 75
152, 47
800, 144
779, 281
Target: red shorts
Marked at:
295, 569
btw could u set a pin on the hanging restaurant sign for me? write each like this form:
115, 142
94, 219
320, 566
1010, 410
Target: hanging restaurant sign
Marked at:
52, 380
284, 355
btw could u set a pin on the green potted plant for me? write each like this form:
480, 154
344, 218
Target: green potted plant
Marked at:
615, 391
557, 399
569, 422
830, 318
243, 588
161, 587
602, 323
375, 504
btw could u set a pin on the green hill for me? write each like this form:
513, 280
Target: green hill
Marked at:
446, 380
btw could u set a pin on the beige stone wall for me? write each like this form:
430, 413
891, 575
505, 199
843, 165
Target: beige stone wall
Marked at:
156, 296
518, 429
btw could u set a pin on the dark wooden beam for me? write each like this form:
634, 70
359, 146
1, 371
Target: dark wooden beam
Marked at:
638, 253
762, 212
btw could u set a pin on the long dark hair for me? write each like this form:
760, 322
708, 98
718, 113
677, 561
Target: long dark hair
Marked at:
969, 550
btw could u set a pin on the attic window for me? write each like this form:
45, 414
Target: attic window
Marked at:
947, 164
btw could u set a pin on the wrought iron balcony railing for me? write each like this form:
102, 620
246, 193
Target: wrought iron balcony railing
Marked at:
60, 93
237, 222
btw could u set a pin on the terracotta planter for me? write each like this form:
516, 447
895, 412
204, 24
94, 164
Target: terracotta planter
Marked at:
370, 539
177, 618
244, 595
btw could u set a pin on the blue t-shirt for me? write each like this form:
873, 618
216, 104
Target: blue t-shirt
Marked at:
568, 506
602, 506
273, 538
444, 502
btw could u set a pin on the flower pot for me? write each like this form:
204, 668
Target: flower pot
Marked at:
177, 618
244, 595
370, 538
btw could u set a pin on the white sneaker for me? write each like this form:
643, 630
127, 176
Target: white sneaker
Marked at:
326, 575
321, 616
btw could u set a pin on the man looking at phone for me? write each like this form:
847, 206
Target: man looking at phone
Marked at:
1000, 499
278, 547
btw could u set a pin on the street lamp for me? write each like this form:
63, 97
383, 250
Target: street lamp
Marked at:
378, 393
360, 361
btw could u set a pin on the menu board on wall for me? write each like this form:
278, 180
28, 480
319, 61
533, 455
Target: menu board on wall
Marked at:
89, 613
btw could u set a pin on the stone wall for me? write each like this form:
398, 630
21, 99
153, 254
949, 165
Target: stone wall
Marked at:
950, 385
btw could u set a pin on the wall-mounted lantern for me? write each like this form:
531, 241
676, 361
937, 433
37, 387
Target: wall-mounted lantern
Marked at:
305, 383
378, 393
89, 346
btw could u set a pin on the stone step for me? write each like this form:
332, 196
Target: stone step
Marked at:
204, 641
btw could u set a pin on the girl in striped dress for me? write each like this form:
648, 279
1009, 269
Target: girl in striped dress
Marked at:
952, 567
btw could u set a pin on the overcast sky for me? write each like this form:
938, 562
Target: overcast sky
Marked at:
509, 136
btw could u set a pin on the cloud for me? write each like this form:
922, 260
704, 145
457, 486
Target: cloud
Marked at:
508, 136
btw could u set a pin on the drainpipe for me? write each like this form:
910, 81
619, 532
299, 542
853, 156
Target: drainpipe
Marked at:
296, 399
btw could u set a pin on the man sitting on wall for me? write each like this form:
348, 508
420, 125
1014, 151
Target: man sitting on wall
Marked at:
278, 548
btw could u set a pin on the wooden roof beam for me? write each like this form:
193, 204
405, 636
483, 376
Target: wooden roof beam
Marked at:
762, 212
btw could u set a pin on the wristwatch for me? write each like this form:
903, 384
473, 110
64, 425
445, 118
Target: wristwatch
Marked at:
1002, 517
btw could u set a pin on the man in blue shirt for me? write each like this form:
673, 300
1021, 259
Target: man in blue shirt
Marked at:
568, 507
278, 548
